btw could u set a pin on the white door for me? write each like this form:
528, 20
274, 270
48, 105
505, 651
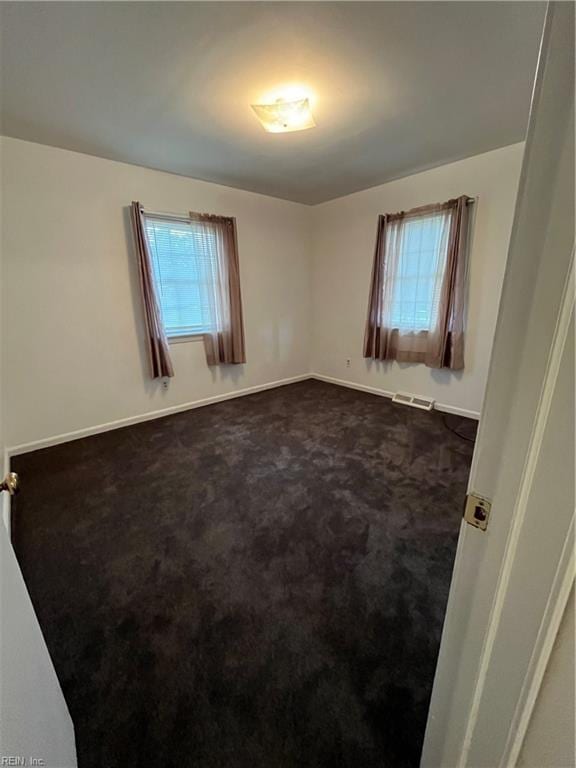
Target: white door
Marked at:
35, 725
511, 583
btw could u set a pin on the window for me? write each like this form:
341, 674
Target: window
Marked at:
184, 262
417, 300
415, 294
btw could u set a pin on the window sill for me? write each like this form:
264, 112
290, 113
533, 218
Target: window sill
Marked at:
185, 339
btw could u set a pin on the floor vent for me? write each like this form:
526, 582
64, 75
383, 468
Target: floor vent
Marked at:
425, 403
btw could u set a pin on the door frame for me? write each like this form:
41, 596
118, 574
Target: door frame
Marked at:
533, 330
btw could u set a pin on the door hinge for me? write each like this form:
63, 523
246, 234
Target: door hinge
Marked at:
477, 510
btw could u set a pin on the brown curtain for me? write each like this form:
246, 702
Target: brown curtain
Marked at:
440, 343
224, 342
445, 347
160, 363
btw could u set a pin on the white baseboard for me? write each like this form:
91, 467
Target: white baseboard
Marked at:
352, 385
385, 393
445, 408
66, 437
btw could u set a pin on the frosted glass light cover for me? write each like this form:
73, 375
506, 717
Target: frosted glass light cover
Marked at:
284, 116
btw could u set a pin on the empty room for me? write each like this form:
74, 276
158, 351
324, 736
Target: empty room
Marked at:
287, 384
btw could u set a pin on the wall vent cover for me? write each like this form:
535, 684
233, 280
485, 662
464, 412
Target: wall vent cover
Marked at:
416, 401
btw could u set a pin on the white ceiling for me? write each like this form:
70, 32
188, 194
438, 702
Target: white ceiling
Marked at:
398, 86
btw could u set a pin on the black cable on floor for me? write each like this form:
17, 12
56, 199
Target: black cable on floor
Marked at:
455, 431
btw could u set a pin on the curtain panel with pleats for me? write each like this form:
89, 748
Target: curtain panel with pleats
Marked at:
156, 341
224, 341
416, 309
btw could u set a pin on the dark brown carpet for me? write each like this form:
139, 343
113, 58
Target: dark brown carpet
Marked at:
255, 584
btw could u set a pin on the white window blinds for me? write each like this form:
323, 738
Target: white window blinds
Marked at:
184, 261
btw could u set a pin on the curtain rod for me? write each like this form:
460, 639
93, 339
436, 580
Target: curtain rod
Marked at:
185, 217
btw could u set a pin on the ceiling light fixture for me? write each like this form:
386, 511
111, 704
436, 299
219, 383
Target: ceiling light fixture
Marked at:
283, 116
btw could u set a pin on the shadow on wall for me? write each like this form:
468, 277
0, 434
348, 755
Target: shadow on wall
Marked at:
233, 373
442, 376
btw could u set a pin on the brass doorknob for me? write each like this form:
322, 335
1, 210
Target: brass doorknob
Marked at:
10, 483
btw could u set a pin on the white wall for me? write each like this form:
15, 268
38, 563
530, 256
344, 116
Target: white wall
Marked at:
75, 356
343, 249
550, 740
